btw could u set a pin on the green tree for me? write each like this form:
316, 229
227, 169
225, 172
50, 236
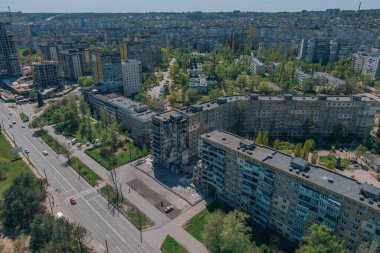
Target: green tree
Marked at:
22, 201
259, 138
298, 150
191, 95
307, 147
308, 86
40, 100
360, 150
85, 81
277, 144
308, 127
320, 239
265, 88
213, 231
265, 139
236, 233
33, 95
314, 157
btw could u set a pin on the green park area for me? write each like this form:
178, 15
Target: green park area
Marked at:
172, 246
132, 213
11, 166
84, 171
110, 159
331, 162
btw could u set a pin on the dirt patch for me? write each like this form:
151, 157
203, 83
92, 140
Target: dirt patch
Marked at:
6, 245
160, 202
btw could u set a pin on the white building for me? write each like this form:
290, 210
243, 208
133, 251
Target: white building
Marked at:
132, 77
257, 66
367, 63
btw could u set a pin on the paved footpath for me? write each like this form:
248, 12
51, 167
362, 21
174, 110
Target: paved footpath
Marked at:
162, 224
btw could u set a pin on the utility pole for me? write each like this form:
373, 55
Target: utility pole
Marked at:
106, 246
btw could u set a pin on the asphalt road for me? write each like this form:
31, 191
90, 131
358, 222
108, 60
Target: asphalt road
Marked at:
91, 210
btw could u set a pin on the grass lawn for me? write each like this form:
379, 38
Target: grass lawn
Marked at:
12, 165
127, 209
330, 163
51, 142
195, 225
172, 246
24, 117
90, 176
121, 157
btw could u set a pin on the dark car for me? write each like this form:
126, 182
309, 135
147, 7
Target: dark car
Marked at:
73, 201
168, 209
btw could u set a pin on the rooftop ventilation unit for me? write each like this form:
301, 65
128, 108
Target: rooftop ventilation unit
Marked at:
299, 164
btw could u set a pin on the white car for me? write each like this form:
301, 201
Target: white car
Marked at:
26, 151
60, 215
23, 126
45, 152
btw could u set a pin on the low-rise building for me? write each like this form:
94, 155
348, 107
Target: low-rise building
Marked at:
367, 63
257, 66
134, 116
372, 160
202, 84
287, 194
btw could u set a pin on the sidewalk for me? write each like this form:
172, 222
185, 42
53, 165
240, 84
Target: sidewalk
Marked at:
163, 225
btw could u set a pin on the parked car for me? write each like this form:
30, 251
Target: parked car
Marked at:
10, 125
88, 143
73, 141
14, 122
45, 153
79, 144
23, 126
168, 209
60, 215
73, 201
26, 151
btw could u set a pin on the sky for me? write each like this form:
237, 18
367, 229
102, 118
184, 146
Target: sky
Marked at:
181, 5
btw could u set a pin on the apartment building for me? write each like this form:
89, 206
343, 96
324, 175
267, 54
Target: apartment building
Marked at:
367, 63
281, 116
107, 71
132, 77
9, 61
169, 140
287, 194
72, 63
257, 66
323, 78
135, 117
46, 74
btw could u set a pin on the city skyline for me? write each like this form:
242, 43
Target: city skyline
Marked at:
175, 6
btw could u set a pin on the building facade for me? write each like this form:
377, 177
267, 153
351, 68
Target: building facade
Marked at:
9, 61
132, 77
72, 64
106, 68
135, 117
367, 63
287, 194
46, 74
281, 116
257, 66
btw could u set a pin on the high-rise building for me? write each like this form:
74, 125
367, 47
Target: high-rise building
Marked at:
323, 51
367, 63
281, 116
287, 194
9, 61
46, 74
139, 49
132, 77
72, 63
49, 52
106, 68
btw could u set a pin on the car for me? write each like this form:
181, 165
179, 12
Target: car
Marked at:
10, 125
73, 141
10, 113
168, 209
23, 126
60, 215
73, 201
88, 143
45, 152
14, 122
79, 144
26, 151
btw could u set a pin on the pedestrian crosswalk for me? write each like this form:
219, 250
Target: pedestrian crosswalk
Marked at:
81, 194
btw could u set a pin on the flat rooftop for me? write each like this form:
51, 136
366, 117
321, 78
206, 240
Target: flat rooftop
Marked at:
319, 176
133, 107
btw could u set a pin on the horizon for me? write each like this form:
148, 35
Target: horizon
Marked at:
172, 6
